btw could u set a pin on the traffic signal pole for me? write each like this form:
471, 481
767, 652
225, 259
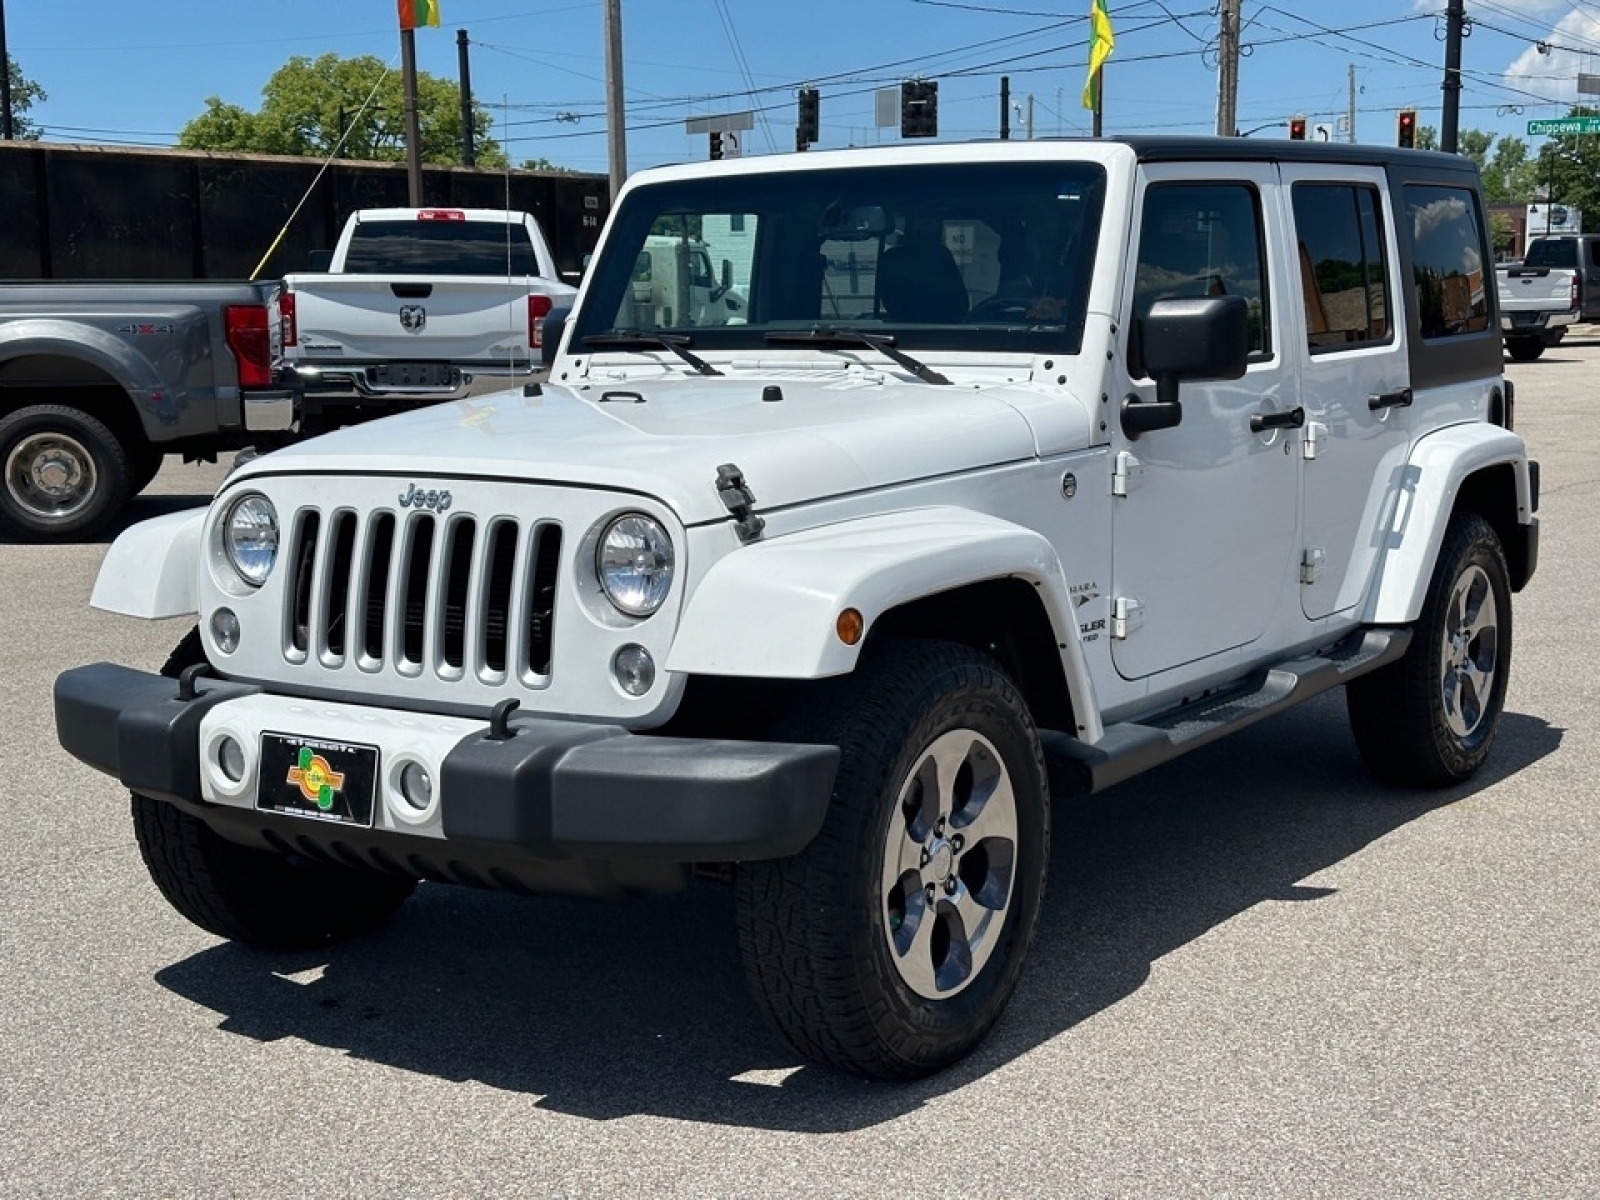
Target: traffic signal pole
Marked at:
1455, 21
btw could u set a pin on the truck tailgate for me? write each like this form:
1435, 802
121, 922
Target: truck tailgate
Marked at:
1542, 288
460, 319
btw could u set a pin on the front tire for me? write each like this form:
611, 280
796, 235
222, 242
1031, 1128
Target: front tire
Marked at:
1430, 719
891, 944
63, 473
258, 897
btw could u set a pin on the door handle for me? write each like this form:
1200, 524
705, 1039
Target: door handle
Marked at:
1396, 399
1291, 418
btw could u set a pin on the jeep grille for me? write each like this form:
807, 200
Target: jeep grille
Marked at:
414, 593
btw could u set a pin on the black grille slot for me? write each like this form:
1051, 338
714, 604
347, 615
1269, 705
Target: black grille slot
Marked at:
458, 573
497, 594
417, 562
380, 549
542, 597
342, 547
302, 561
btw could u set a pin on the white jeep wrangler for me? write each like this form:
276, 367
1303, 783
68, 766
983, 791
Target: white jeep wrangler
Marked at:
1081, 452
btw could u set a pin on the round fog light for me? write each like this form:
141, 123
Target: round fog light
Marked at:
230, 759
416, 786
634, 669
225, 630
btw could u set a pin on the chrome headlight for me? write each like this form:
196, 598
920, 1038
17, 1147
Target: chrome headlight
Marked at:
250, 537
634, 563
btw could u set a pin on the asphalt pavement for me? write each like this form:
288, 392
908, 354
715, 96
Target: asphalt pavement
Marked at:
1259, 975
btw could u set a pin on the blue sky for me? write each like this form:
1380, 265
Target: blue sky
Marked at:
135, 73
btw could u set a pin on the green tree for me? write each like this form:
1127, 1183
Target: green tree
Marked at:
308, 104
1567, 171
544, 164
1507, 176
24, 93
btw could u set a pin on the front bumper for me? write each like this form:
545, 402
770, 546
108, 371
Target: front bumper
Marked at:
530, 806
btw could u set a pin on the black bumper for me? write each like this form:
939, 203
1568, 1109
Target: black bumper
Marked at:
555, 790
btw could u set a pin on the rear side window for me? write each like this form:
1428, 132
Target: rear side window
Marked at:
440, 248
1343, 280
1447, 257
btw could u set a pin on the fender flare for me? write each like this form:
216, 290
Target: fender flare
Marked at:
1417, 511
769, 609
152, 569
101, 350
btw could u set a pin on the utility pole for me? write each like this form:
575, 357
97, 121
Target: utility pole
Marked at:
469, 155
1455, 20
1030, 116
1228, 69
1352, 117
408, 75
616, 116
1005, 107
5, 80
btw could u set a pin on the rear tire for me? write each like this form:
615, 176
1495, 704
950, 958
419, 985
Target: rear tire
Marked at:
890, 945
258, 897
1430, 719
1524, 349
63, 473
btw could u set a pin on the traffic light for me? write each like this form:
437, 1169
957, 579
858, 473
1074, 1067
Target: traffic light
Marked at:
919, 108
716, 144
1405, 128
808, 129
1297, 129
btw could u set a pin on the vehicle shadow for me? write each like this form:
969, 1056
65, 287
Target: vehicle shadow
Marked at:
608, 1011
140, 508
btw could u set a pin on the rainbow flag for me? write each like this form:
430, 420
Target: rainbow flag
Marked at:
419, 12
1101, 44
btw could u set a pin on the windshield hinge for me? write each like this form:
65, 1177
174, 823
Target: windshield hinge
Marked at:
740, 501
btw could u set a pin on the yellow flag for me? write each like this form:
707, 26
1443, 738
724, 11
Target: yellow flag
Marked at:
1101, 44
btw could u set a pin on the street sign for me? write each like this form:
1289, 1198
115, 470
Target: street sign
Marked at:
1565, 125
721, 123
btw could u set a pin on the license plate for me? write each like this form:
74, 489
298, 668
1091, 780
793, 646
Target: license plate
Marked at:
309, 777
415, 375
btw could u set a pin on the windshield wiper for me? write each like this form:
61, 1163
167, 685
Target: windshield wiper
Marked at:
832, 335
638, 339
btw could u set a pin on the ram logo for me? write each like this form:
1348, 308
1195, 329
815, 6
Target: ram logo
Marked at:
413, 317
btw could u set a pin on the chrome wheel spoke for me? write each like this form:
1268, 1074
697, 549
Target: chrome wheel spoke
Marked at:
948, 863
1470, 654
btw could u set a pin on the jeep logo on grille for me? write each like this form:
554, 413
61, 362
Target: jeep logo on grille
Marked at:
415, 497
413, 317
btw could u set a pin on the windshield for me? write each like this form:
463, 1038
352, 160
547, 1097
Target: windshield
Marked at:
968, 256
440, 248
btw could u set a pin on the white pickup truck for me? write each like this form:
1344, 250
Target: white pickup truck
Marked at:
1537, 304
417, 306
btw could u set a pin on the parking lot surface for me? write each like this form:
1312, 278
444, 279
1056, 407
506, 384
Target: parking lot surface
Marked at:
1259, 974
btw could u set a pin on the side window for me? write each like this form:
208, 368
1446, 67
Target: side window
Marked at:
1203, 239
1594, 253
1447, 257
1343, 280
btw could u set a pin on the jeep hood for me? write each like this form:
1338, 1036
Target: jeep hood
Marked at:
665, 438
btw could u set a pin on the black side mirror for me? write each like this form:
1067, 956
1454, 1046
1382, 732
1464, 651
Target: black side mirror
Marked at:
555, 323
1205, 337
319, 261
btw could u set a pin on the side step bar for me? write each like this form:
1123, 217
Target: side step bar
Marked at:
1129, 748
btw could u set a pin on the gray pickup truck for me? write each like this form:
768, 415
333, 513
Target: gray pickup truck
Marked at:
100, 381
